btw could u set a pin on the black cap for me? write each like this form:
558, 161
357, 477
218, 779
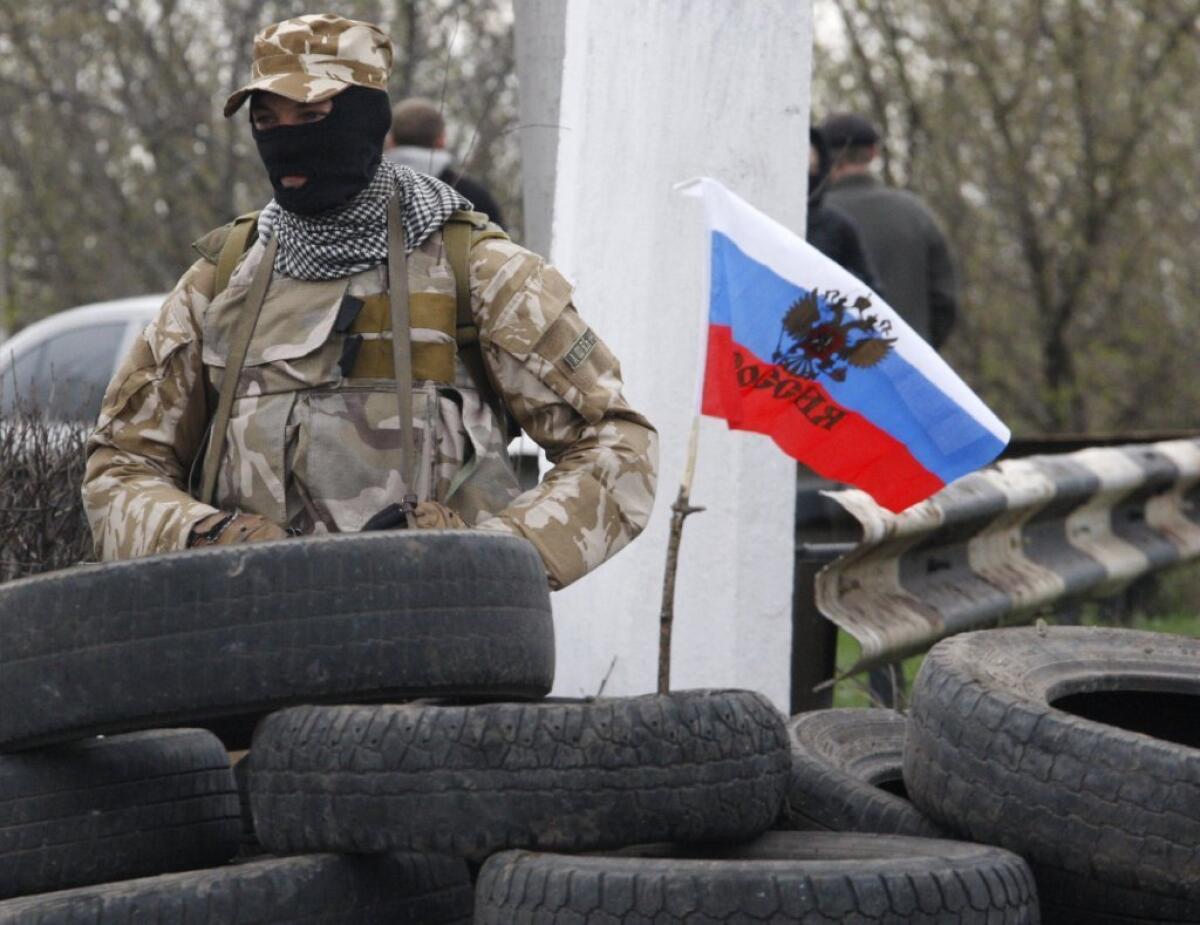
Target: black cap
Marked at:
847, 130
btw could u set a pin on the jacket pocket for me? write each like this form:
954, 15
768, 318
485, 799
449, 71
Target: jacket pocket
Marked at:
253, 475
291, 347
347, 453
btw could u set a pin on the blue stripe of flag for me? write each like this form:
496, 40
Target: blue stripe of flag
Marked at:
894, 395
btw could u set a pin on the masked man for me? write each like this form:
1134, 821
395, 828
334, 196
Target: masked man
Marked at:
351, 356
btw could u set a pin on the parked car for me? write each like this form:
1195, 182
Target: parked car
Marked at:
60, 366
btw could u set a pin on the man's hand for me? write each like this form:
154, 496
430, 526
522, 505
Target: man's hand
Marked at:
427, 515
224, 529
433, 515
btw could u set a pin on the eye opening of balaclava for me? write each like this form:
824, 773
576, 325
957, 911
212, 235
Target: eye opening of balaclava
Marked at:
338, 154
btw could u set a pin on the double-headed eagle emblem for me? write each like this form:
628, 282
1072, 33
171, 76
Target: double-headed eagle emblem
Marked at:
827, 343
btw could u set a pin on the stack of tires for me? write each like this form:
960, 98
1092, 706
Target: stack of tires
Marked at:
404, 766
1077, 749
142, 824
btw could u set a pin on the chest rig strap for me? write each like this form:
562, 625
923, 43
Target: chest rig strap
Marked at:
255, 297
402, 351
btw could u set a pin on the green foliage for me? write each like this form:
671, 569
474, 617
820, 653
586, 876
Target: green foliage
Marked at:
1177, 596
1057, 142
116, 156
854, 691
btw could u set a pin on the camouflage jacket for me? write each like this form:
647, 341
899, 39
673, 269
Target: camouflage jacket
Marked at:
313, 445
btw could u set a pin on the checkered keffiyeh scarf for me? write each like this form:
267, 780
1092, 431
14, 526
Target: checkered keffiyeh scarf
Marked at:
353, 238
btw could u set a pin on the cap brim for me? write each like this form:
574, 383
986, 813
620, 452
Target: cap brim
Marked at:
285, 85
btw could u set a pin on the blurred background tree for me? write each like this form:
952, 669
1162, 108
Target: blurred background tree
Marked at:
1057, 141
115, 156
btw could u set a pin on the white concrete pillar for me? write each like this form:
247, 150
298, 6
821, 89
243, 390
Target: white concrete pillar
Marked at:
540, 36
651, 94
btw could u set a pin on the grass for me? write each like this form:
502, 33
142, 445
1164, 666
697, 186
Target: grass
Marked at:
1177, 624
1173, 606
853, 692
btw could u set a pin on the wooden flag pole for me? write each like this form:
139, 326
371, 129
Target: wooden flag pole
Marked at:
679, 513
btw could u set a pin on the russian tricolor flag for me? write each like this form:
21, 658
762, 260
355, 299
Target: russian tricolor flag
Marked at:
801, 350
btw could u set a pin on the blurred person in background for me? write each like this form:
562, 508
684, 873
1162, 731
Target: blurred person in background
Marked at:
904, 242
835, 235
829, 229
418, 140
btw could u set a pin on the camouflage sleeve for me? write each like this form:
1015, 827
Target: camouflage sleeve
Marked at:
150, 428
563, 385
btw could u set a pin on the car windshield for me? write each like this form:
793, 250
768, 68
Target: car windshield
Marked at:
65, 377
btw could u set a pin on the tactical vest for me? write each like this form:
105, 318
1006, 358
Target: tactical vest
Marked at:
312, 437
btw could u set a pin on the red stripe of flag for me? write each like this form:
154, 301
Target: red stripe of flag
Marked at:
807, 424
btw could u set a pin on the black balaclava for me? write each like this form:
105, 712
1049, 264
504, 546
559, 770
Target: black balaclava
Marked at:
339, 154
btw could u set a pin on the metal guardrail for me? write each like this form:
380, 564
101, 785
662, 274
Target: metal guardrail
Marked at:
999, 545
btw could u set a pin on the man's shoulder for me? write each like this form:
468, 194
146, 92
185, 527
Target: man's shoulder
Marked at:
860, 186
918, 211
876, 195
209, 244
912, 198
896, 194
833, 216
489, 255
517, 293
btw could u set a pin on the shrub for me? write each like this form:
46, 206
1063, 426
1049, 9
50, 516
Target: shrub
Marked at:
42, 523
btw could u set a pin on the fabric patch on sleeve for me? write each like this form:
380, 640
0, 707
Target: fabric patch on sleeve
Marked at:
581, 349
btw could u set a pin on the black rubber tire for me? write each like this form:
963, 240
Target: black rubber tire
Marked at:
248, 846
1069, 899
992, 760
218, 637
1056, 915
111, 809
842, 761
783, 877
318, 889
471, 780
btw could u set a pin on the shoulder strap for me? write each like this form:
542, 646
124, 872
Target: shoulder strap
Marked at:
233, 371
398, 303
462, 231
241, 235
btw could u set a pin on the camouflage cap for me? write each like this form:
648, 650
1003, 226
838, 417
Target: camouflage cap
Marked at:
311, 58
